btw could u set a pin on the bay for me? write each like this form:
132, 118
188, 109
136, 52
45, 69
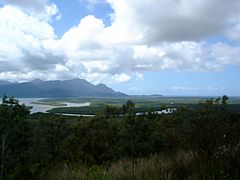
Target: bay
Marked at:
30, 102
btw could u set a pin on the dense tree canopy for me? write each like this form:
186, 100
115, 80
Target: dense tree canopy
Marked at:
200, 142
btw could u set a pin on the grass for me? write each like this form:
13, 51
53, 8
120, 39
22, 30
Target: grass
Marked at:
181, 165
155, 167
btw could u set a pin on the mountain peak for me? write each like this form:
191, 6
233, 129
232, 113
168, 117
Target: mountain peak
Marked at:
101, 85
66, 88
77, 80
36, 81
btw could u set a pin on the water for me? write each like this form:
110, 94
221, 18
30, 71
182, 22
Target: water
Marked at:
44, 108
76, 115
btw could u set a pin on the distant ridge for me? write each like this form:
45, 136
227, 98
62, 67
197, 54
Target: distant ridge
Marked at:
36, 81
67, 88
4, 82
149, 96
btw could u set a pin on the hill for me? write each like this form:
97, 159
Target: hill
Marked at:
67, 88
4, 82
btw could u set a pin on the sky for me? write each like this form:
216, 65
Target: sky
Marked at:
168, 47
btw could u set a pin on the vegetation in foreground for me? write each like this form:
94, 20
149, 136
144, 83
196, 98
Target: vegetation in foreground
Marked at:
191, 143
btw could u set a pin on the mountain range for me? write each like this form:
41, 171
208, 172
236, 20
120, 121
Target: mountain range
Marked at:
67, 88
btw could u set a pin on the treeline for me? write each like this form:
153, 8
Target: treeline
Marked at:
190, 143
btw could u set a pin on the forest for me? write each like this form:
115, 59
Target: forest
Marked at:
191, 143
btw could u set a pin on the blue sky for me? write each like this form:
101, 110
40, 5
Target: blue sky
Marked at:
150, 47
186, 83
74, 10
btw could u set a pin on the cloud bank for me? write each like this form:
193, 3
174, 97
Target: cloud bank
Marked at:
147, 35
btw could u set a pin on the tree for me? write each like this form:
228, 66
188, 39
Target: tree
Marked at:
130, 104
218, 100
47, 136
128, 107
91, 142
213, 136
224, 100
14, 140
111, 111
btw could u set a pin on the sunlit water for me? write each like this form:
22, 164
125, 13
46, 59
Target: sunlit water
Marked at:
44, 108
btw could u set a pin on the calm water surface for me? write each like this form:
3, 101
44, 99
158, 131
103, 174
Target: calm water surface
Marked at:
44, 108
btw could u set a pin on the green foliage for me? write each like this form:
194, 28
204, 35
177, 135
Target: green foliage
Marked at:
91, 141
111, 111
215, 139
201, 142
47, 137
224, 100
14, 139
137, 136
77, 110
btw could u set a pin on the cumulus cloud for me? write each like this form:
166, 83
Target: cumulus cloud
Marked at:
87, 35
234, 32
23, 38
35, 4
126, 45
41, 9
174, 20
121, 78
145, 35
226, 54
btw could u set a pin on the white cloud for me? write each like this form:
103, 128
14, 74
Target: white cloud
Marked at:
145, 35
13, 19
233, 29
98, 66
87, 35
27, 76
174, 20
226, 54
234, 32
184, 88
186, 55
40, 9
126, 45
32, 4
105, 77
119, 78
22, 45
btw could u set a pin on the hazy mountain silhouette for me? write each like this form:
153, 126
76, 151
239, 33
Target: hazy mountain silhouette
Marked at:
68, 88
4, 82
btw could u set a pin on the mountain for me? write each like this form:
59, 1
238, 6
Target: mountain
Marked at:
36, 81
4, 82
68, 88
